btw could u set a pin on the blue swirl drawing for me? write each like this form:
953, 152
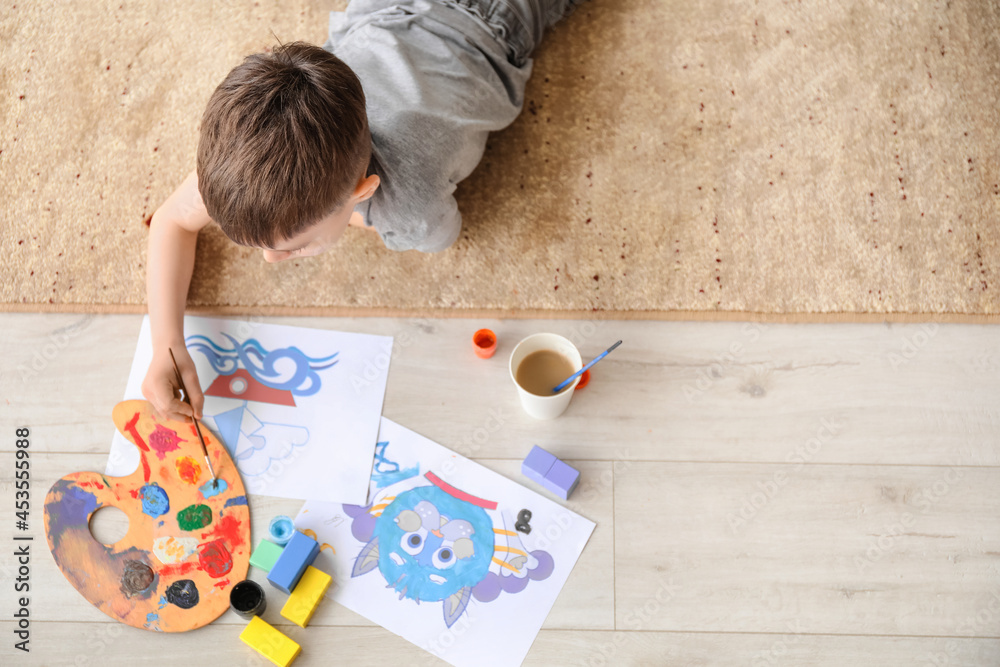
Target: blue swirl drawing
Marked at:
260, 363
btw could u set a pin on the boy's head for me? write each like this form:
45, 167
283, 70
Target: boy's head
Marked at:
284, 149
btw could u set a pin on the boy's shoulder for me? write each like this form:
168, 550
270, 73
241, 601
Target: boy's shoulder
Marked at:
433, 93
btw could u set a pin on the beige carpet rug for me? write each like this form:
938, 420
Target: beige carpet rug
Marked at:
676, 158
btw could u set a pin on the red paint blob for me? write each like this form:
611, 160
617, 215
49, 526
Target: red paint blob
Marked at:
137, 439
215, 559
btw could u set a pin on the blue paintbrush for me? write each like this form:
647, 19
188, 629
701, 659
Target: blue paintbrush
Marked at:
562, 385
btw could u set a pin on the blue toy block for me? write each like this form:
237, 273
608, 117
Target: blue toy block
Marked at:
561, 479
297, 555
537, 464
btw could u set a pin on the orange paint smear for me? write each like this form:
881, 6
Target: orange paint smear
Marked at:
188, 469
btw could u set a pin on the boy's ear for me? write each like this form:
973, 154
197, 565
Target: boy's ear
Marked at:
366, 187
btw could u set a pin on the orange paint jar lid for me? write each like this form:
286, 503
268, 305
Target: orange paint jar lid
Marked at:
484, 342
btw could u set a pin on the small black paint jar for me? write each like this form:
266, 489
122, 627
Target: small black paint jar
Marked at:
247, 599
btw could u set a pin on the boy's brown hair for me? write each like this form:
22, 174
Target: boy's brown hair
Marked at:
284, 141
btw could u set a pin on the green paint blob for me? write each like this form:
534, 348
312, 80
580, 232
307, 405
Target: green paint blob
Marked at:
194, 517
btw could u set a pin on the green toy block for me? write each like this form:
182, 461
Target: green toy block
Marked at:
265, 555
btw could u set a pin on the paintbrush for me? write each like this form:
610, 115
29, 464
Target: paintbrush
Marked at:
187, 399
559, 387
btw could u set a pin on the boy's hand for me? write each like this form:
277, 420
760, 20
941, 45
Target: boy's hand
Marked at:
160, 386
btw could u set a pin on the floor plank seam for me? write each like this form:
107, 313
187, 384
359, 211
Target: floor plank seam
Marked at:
313, 624
679, 461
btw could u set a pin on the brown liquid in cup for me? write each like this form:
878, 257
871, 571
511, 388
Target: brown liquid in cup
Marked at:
539, 372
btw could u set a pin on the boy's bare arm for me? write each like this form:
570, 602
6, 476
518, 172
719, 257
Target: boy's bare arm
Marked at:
173, 235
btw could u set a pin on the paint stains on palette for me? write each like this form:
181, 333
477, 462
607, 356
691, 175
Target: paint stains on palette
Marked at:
188, 537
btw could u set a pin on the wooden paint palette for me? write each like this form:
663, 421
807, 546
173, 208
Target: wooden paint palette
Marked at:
188, 541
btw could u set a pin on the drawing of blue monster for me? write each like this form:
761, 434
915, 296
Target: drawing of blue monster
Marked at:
430, 546
437, 543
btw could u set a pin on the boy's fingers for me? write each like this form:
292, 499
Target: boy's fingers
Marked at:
178, 410
159, 394
194, 391
166, 404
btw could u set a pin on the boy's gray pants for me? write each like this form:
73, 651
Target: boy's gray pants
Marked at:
518, 23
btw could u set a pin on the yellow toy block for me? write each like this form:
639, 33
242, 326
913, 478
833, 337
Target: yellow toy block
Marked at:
269, 642
305, 598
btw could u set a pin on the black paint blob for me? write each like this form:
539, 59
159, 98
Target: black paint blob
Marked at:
182, 593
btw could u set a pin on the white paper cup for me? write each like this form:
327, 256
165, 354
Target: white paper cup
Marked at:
545, 407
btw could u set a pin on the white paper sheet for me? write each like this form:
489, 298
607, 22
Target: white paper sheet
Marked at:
435, 557
297, 408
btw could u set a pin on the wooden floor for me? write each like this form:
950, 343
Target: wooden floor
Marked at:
764, 494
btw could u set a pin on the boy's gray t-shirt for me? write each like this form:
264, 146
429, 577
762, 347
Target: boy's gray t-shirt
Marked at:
437, 82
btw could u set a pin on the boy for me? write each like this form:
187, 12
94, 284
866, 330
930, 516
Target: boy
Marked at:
293, 149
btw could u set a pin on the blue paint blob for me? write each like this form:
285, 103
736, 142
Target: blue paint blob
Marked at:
154, 500
213, 488
152, 617
238, 500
